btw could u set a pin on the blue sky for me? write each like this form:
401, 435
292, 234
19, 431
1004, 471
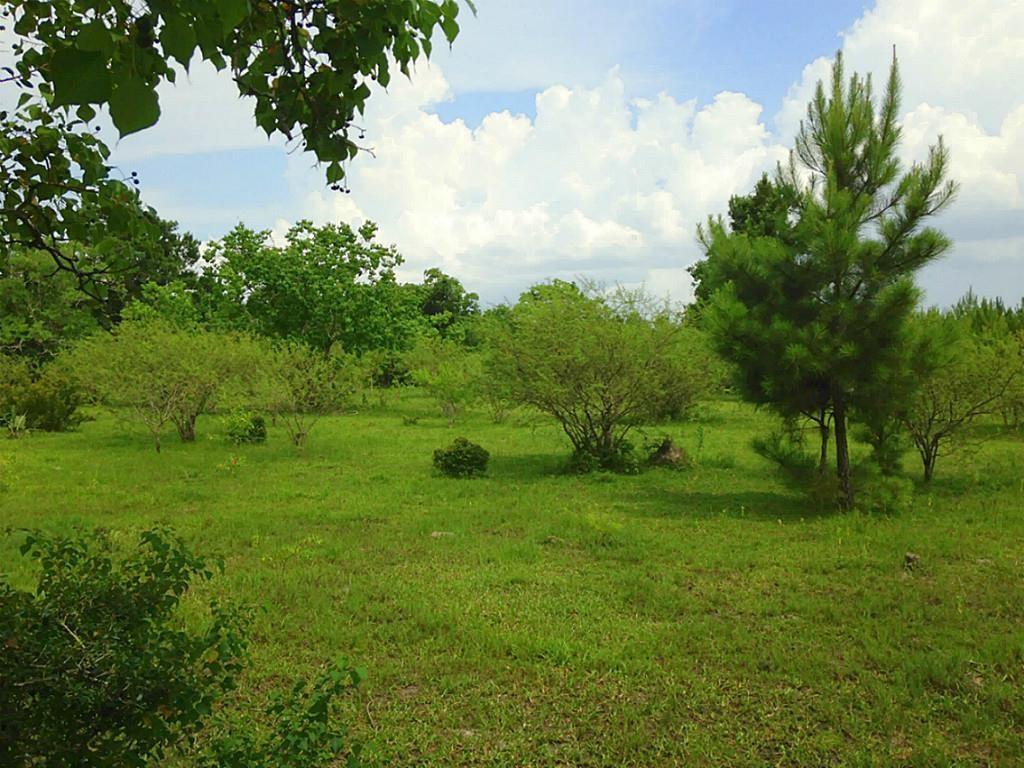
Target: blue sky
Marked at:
637, 120
689, 49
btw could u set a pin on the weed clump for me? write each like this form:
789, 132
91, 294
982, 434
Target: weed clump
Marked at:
246, 428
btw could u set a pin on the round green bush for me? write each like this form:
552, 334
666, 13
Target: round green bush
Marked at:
461, 459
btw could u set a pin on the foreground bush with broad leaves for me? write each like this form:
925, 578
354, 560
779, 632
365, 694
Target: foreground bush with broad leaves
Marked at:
100, 668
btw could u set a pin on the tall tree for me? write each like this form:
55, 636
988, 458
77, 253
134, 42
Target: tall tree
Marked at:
771, 210
830, 306
39, 311
326, 286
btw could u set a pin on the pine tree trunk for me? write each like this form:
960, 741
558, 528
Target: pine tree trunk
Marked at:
842, 452
823, 431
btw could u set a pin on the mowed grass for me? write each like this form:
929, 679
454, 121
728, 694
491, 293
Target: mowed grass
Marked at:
533, 618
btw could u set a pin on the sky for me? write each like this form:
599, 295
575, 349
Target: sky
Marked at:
565, 138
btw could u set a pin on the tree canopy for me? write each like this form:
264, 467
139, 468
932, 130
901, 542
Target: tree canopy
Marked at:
307, 64
324, 286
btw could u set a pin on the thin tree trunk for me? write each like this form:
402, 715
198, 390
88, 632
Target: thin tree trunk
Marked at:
187, 429
842, 452
823, 432
928, 457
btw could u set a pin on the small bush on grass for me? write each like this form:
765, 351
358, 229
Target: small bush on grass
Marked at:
15, 424
799, 469
303, 385
881, 494
462, 459
624, 461
245, 427
296, 729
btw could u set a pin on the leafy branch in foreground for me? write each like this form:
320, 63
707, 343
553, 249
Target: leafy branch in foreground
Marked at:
307, 64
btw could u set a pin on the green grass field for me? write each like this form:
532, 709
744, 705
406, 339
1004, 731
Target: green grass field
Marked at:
533, 618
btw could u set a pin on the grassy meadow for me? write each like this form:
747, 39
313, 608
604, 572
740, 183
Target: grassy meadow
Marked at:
535, 618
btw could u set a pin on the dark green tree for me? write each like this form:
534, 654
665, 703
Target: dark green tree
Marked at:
39, 310
445, 302
769, 211
810, 321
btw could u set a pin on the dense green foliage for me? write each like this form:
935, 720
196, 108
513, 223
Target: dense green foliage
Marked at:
245, 428
39, 311
600, 374
102, 667
96, 669
302, 385
328, 287
446, 303
161, 373
447, 371
308, 65
47, 398
461, 459
960, 376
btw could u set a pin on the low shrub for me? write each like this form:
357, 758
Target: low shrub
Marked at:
624, 461
882, 494
15, 424
96, 669
47, 397
245, 428
799, 469
461, 459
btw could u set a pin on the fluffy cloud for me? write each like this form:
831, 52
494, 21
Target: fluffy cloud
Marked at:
603, 184
595, 183
612, 187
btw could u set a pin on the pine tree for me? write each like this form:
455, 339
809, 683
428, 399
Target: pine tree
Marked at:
815, 320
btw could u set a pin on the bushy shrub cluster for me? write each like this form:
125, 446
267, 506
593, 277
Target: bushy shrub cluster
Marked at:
599, 366
245, 427
462, 459
95, 669
47, 399
625, 461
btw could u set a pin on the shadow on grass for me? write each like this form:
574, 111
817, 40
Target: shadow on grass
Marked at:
530, 467
740, 505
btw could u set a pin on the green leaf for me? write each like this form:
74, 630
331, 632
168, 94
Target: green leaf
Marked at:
79, 77
95, 37
133, 106
178, 39
335, 173
232, 13
85, 113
